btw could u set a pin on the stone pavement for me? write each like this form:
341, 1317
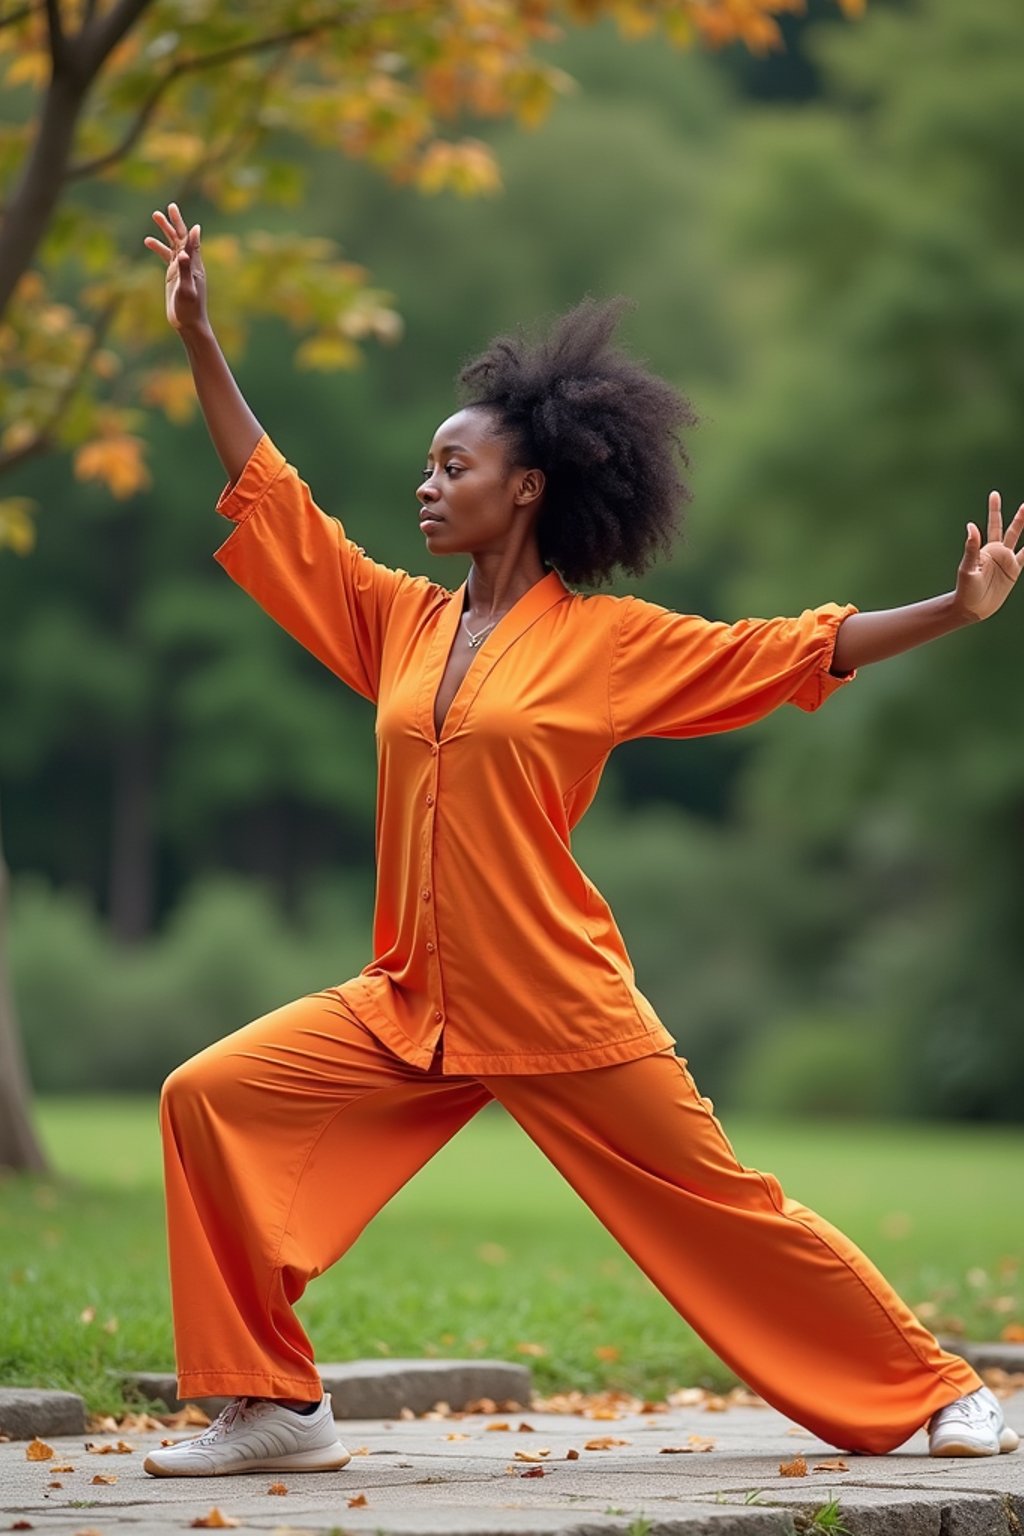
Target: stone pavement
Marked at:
465, 1476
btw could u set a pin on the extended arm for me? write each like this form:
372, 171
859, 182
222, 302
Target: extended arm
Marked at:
232, 425
986, 574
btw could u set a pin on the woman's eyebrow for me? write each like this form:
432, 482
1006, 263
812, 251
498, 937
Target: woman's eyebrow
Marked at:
449, 448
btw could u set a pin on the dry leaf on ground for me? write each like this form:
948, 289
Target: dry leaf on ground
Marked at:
358, 1501
502, 1424
38, 1450
531, 1349
214, 1521
572, 1455
795, 1468
538, 1455
603, 1443
104, 1479
277, 1488
533, 1472
456, 1436
122, 1448
835, 1465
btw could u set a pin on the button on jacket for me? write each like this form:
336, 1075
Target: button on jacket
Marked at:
487, 935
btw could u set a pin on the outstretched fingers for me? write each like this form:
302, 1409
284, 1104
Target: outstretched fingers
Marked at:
995, 516
1016, 528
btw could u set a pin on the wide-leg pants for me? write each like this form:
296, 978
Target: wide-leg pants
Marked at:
282, 1140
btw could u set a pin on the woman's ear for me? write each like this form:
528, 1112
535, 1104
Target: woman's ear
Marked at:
530, 488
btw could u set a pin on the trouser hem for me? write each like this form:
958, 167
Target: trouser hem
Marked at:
247, 1384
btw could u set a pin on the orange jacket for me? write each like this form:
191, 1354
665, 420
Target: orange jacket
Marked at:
485, 927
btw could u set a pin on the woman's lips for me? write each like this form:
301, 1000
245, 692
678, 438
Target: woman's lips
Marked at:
430, 520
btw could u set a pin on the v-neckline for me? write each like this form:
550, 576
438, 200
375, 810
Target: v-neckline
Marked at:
549, 590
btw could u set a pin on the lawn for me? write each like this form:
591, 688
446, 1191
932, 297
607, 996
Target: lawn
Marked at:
487, 1251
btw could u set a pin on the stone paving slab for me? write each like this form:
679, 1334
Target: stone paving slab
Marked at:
379, 1389
28, 1411
422, 1478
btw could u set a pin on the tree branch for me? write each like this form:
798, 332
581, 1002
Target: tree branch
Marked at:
183, 67
55, 27
101, 35
16, 16
42, 441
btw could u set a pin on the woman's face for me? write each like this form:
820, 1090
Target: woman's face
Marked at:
472, 499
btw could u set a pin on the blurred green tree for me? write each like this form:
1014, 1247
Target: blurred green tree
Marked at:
158, 95
877, 369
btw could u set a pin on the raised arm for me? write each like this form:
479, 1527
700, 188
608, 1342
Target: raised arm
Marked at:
984, 579
232, 425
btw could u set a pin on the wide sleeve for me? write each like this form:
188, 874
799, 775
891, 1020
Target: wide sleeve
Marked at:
675, 674
301, 567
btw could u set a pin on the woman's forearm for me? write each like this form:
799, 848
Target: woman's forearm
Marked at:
866, 637
232, 425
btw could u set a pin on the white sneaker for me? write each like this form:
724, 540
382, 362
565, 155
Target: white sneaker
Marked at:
972, 1426
253, 1435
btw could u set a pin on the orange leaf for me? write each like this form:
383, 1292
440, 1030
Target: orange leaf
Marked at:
359, 1502
504, 1424
533, 1472
277, 1488
835, 1465
214, 1521
38, 1450
572, 1455
1013, 1333
525, 1429
603, 1443
700, 1443
795, 1468
607, 1352
105, 1478
537, 1455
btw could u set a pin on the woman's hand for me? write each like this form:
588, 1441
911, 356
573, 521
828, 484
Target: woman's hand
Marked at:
186, 278
988, 571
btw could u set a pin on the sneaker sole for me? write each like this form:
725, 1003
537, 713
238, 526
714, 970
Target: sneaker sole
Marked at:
327, 1459
1009, 1440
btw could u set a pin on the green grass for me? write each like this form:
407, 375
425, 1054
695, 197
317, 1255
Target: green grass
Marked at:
486, 1250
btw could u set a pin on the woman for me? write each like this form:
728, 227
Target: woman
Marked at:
498, 971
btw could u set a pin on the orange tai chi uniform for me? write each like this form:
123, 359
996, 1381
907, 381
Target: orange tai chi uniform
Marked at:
499, 973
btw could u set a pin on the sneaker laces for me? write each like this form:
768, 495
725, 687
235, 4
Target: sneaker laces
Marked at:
973, 1408
225, 1420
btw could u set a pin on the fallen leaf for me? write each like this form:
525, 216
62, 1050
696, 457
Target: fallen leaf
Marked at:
406, 1413
122, 1448
572, 1455
38, 1450
525, 1429
456, 1436
676, 1450
504, 1424
277, 1488
214, 1521
1013, 1333
835, 1465
533, 1472
64, 1467
607, 1352
604, 1413
22, 1525
531, 1349
537, 1455
715, 1405
603, 1443
55, 1482
700, 1443
360, 1501
795, 1468
105, 1478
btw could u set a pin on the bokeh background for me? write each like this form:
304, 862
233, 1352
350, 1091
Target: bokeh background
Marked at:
825, 252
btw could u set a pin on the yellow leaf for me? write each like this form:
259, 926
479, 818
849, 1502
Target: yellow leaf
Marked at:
795, 1468
116, 459
17, 530
836, 1464
603, 1443
38, 1450
29, 69
105, 1478
214, 1521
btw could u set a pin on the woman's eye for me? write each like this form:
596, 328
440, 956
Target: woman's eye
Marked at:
453, 469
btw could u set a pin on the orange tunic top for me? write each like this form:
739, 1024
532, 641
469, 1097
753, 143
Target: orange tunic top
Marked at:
486, 931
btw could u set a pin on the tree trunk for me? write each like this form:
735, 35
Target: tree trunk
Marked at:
20, 1147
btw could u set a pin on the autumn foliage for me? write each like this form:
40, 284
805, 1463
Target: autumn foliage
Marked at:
206, 104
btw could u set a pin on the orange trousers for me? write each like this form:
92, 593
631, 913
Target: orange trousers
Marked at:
282, 1140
